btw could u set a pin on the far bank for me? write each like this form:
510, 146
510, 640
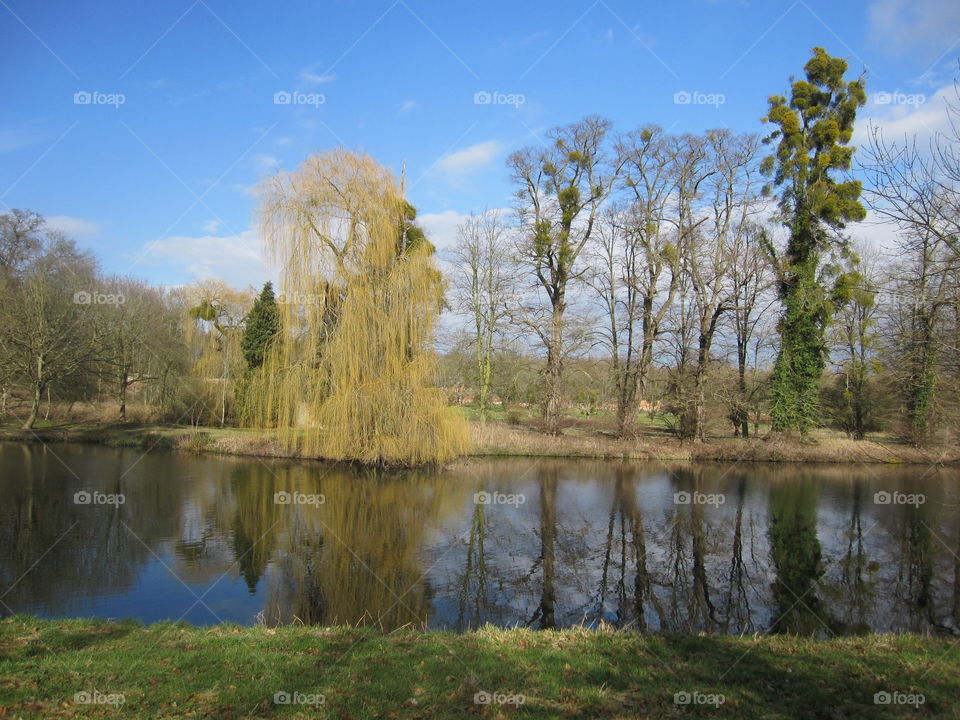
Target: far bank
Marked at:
497, 438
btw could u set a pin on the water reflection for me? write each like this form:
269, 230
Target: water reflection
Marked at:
538, 543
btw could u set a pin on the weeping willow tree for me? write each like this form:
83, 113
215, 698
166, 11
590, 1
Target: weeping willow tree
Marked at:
348, 377
213, 332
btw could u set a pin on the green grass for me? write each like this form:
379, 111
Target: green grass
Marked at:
226, 671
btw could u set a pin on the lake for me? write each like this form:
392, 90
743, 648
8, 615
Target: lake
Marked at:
811, 549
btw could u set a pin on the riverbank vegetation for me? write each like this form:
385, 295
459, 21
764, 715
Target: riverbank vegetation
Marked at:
86, 668
645, 289
521, 436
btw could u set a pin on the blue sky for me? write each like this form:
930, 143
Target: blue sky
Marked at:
160, 185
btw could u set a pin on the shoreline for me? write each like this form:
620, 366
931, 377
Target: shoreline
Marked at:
69, 668
499, 439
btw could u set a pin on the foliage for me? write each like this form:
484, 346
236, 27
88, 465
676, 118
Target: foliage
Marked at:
347, 378
813, 131
213, 331
260, 327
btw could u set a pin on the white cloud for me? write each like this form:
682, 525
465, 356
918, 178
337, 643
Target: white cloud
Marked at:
236, 259
441, 228
928, 26
470, 158
76, 228
407, 106
921, 119
211, 226
266, 163
874, 232
248, 190
13, 139
308, 76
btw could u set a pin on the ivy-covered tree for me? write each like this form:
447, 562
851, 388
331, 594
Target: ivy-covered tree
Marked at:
261, 326
814, 129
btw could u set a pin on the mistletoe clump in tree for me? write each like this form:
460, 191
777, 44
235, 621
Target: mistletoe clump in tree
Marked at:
814, 129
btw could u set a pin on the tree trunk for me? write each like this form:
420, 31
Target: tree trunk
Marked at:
122, 397
38, 386
742, 386
699, 401
34, 406
553, 403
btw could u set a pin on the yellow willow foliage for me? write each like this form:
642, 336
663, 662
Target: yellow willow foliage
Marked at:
214, 344
360, 293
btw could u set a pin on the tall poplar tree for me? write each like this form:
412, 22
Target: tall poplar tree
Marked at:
814, 129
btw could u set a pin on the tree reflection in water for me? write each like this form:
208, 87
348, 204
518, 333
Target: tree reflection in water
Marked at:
787, 550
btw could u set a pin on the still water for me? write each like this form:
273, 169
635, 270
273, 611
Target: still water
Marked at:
811, 549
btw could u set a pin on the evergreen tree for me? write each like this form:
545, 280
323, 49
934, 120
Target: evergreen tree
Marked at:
261, 327
814, 128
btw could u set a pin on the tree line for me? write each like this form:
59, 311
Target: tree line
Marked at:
79, 343
714, 272
700, 277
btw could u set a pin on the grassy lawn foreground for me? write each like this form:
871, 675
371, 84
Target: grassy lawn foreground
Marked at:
169, 671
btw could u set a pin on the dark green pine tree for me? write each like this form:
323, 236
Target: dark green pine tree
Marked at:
260, 327
813, 131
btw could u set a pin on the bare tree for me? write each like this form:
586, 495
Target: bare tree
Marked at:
919, 191
560, 189
140, 342
48, 333
712, 239
851, 400
751, 284
482, 284
638, 266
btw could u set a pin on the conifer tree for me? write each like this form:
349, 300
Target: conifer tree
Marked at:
261, 327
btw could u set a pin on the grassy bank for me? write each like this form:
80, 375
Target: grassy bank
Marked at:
231, 672
501, 438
